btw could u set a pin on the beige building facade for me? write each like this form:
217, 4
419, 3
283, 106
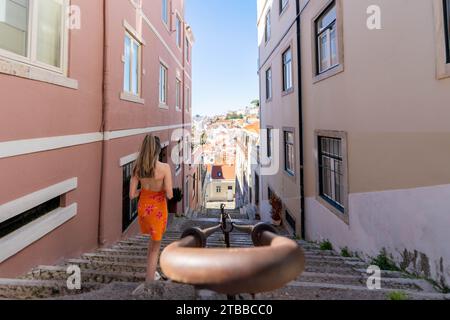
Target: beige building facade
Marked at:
279, 96
375, 110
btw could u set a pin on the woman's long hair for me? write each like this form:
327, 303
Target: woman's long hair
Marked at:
148, 157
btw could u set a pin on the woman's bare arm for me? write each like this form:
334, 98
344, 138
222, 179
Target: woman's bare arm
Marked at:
168, 183
134, 193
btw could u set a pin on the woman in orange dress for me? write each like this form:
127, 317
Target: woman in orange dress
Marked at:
156, 187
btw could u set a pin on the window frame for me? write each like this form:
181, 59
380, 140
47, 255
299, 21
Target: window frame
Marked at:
269, 80
179, 33
180, 156
286, 89
269, 142
165, 13
31, 55
164, 85
188, 50
317, 77
133, 40
286, 132
268, 26
327, 32
178, 94
341, 210
283, 8
188, 99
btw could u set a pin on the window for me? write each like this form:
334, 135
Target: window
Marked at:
230, 188
447, 27
326, 39
129, 207
165, 11
21, 220
41, 42
132, 65
163, 84
218, 189
331, 171
180, 155
289, 157
267, 29
188, 99
188, 50
178, 95
269, 84
269, 142
283, 4
179, 32
287, 70
194, 185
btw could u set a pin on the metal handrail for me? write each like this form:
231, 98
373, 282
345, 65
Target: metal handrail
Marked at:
270, 265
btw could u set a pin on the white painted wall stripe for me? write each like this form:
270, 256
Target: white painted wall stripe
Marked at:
128, 159
18, 206
21, 147
27, 235
134, 132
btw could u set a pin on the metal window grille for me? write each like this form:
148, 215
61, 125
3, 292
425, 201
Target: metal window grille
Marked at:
129, 207
331, 171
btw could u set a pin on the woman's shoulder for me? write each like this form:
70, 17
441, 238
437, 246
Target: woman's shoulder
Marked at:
164, 166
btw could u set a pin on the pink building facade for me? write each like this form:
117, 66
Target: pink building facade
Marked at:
80, 92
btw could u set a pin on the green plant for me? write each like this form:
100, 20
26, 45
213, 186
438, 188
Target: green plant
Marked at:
177, 195
346, 253
385, 262
326, 245
398, 295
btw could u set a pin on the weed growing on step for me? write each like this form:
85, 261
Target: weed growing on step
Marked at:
346, 253
398, 296
326, 245
385, 262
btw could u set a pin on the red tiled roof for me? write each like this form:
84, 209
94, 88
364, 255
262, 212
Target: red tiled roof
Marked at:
223, 172
254, 127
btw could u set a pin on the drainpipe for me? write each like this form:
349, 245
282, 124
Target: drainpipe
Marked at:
300, 122
183, 110
102, 129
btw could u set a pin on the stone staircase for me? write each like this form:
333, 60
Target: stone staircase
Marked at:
215, 213
115, 272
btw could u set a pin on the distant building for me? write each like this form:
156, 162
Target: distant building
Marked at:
247, 178
221, 185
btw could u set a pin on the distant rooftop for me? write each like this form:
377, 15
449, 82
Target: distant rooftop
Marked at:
225, 172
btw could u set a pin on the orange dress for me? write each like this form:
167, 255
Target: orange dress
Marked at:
153, 213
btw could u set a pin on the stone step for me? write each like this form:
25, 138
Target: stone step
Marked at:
87, 275
39, 289
361, 280
109, 266
323, 291
139, 258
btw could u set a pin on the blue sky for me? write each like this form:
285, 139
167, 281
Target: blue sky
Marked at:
224, 55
